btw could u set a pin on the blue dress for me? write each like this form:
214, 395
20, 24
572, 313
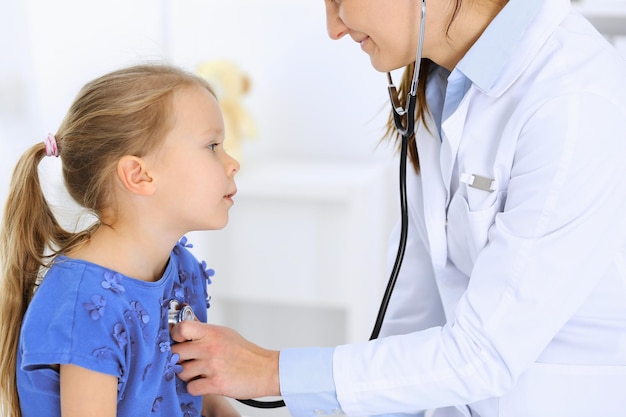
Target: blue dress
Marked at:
96, 318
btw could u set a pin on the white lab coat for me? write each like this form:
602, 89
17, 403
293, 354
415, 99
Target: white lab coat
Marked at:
513, 302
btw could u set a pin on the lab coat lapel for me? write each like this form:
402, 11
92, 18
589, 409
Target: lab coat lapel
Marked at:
437, 160
452, 131
434, 199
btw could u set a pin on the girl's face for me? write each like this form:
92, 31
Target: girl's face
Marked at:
195, 174
387, 30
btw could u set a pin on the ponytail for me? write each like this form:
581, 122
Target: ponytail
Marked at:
29, 238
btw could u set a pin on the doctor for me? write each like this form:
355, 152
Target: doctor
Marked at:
512, 297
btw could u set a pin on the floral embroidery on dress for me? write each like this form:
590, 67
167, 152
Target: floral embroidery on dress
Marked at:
183, 275
145, 371
184, 243
112, 281
172, 367
191, 297
178, 292
189, 410
194, 279
96, 307
181, 387
140, 312
163, 340
207, 272
165, 305
156, 404
103, 353
120, 335
139, 315
121, 382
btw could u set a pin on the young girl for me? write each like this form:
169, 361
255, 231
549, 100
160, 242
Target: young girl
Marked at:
142, 149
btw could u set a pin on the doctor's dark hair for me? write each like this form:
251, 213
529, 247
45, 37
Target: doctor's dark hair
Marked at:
126, 112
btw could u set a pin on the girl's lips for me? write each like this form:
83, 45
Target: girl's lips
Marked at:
231, 195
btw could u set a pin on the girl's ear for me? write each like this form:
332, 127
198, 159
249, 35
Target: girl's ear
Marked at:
133, 175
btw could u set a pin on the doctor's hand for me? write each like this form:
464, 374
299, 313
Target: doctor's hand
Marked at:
218, 360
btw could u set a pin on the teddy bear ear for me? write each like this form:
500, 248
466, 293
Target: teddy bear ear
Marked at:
245, 84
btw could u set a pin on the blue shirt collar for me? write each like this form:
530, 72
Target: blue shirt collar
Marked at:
485, 60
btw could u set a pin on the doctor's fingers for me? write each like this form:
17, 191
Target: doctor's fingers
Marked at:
190, 330
206, 350
227, 364
200, 369
235, 375
203, 386
200, 380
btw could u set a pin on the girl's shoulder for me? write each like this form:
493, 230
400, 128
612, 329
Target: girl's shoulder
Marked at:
75, 317
67, 275
71, 286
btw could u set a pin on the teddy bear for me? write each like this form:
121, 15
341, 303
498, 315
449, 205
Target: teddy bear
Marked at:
230, 84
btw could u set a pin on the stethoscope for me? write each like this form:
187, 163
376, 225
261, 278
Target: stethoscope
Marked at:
178, 312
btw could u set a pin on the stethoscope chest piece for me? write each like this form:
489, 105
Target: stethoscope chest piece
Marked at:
178, 312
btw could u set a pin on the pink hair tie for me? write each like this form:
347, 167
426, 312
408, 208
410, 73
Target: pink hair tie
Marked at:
51, 145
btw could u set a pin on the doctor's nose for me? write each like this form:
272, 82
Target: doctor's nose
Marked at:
335, 26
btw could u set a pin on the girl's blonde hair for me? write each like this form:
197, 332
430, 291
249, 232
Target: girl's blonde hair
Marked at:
126, 112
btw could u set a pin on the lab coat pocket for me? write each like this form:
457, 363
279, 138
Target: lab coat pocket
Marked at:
468, 230
549, 390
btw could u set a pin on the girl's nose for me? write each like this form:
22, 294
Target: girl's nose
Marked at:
233, 166
335, 26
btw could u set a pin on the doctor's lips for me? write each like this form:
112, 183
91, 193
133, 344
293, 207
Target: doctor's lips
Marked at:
362, 40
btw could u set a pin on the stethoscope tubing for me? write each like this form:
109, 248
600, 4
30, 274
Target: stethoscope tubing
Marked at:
404, 226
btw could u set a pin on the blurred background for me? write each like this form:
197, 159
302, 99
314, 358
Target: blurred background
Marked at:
303, 260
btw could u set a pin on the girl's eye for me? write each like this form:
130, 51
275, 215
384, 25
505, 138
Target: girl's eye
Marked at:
212, 147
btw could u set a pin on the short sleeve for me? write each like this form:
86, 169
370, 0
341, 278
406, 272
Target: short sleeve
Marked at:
69, 322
